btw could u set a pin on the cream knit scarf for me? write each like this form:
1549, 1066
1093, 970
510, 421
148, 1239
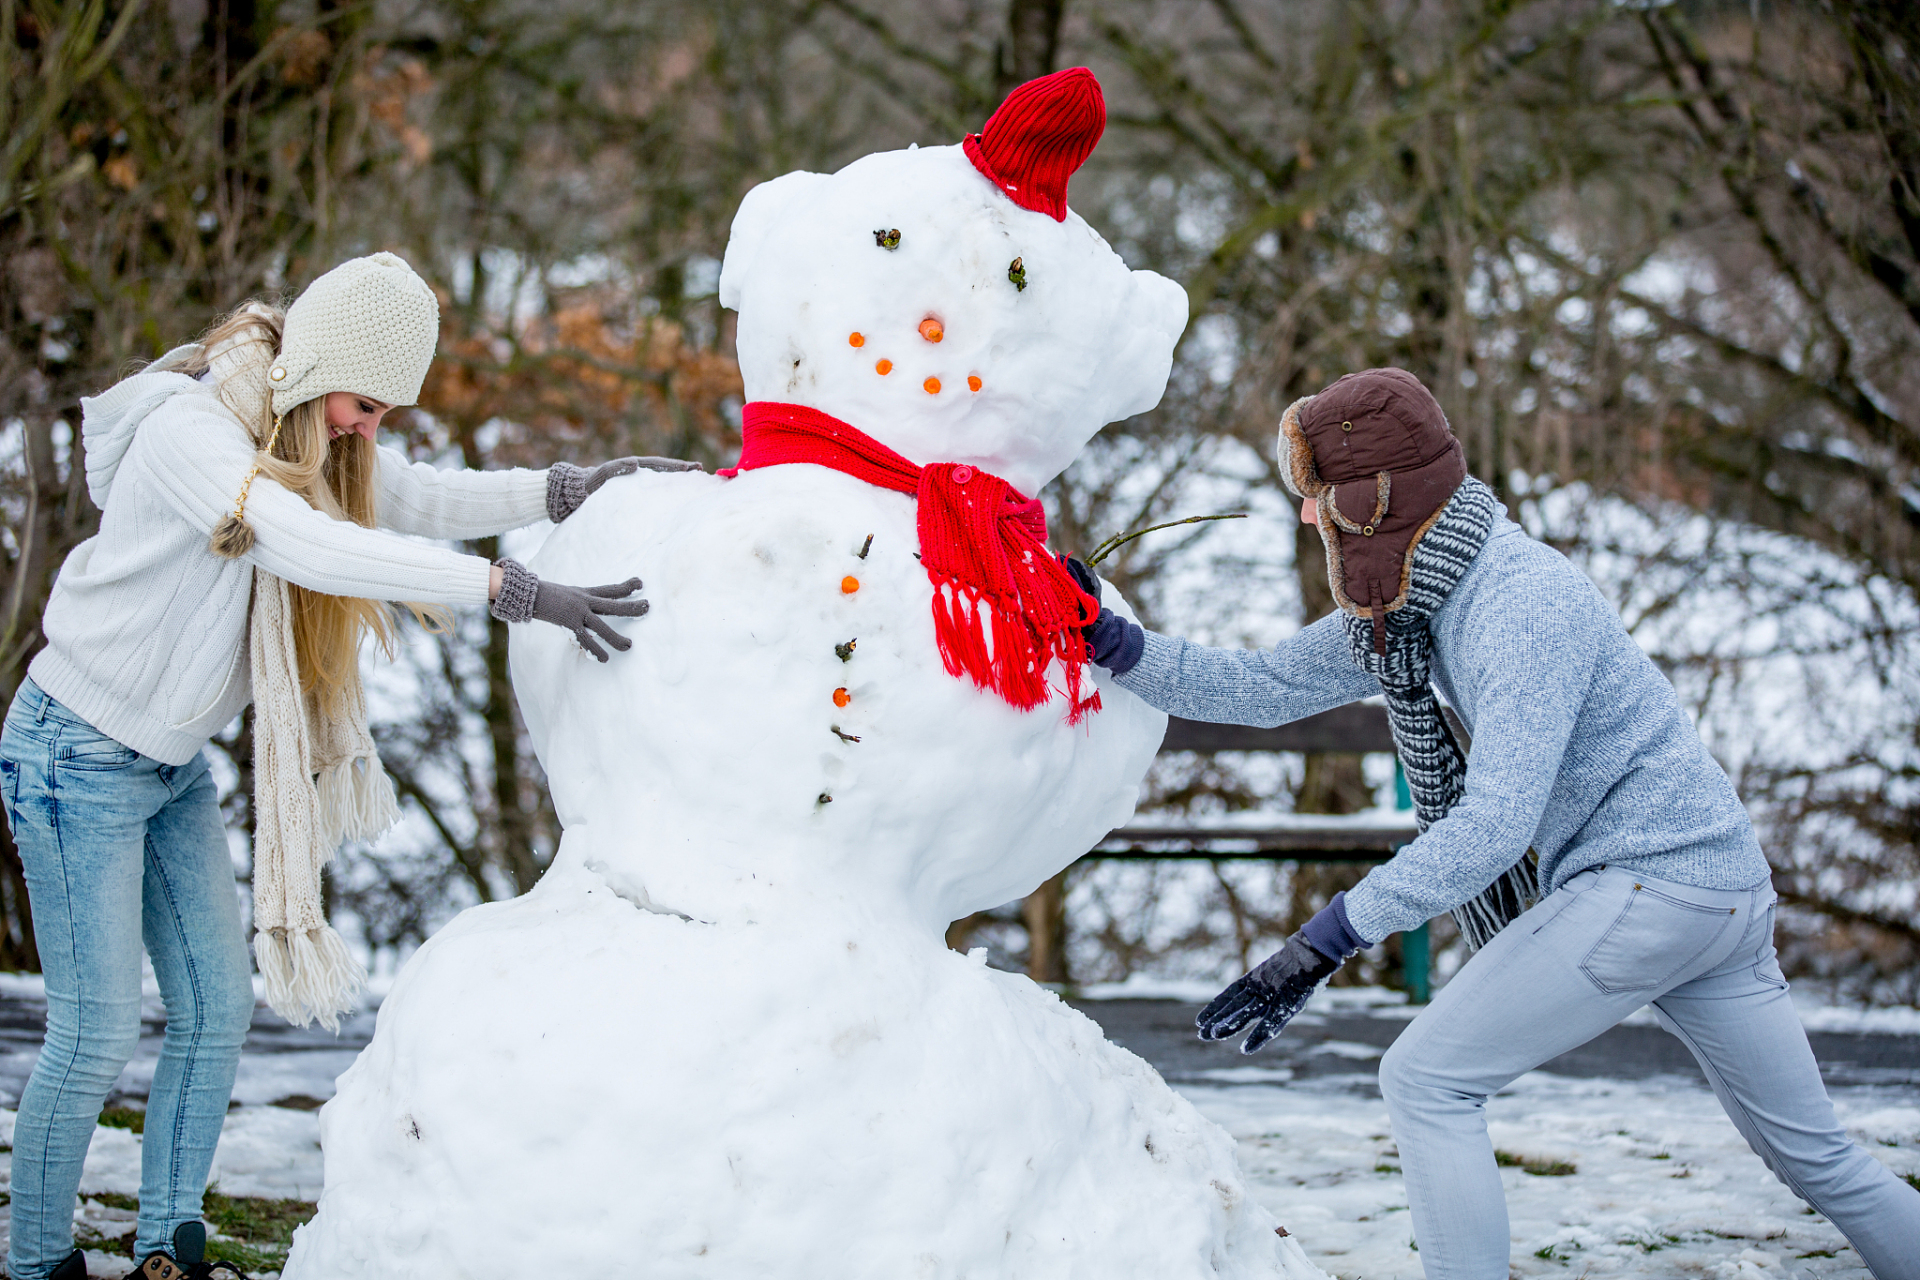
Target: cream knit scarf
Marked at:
317, 778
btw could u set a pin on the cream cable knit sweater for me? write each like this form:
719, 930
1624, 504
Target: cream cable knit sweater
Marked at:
147, 629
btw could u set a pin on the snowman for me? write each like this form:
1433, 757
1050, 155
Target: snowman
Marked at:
723, 1036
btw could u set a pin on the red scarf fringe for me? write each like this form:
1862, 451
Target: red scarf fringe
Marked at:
1004, 610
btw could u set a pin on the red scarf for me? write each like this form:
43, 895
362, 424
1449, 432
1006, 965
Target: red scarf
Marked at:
982, 542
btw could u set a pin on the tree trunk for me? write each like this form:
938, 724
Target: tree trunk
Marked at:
1045, 914
1033, 37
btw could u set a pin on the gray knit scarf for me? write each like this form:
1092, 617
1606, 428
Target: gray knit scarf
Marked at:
1436, 767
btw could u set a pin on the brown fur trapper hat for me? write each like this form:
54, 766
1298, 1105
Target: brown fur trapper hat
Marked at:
1375, 452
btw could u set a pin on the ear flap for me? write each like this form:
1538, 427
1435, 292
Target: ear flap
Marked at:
759, 212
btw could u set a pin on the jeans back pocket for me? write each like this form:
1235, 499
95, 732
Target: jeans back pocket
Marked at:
1655, 938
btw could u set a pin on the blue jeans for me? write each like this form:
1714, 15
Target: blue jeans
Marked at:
119, 847
1609, 941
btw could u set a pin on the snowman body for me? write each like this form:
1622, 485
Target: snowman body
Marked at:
723, 1036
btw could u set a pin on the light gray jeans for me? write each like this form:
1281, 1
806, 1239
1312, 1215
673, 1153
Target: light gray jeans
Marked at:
1609, 941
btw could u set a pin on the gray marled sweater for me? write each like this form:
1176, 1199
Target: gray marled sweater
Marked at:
1580, 748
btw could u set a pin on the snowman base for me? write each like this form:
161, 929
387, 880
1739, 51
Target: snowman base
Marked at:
570, 1083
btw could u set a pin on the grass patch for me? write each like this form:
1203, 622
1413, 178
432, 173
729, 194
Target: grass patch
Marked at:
124, 1118
1538, 1168
1383, 1167
1913, 1180
113, 1246
245, 1257
1819, 1253
261, 1230
114, 1200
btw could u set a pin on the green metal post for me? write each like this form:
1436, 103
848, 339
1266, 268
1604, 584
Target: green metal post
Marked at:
1418, 958
1416, 950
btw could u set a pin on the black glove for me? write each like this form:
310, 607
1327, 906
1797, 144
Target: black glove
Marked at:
523, 597
1268, 997
568, 485
1083, 574
1113, 642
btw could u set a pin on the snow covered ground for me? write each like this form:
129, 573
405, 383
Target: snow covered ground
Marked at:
1610, 1178
1636, 1178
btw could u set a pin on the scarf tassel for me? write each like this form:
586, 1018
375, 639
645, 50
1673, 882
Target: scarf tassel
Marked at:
357, 800
310, 975
1500, 904
1003, 652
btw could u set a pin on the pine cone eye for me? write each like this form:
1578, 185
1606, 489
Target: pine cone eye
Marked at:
887, 239
1017, 272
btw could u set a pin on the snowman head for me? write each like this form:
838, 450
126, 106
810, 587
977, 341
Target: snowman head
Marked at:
946, 302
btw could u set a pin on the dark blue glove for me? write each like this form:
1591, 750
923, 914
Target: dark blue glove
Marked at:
1117, 644
1270, 996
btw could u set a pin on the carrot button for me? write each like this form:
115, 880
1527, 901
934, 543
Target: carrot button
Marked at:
973, 382
883, 368
932, 386
856, 340
849, 585
932, 330
841, 697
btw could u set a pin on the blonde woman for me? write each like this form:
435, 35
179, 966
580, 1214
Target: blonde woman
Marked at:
251, 533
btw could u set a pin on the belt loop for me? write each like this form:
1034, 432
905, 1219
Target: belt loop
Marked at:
40, 714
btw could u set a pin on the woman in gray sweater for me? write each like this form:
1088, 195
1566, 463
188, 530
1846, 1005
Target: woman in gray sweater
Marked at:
1588, 839
251, 535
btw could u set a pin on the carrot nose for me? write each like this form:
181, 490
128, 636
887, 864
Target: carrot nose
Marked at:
932, 330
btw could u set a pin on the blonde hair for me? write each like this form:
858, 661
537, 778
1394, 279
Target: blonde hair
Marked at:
337, 476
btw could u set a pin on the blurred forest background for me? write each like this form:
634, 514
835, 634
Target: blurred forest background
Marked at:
1660, 262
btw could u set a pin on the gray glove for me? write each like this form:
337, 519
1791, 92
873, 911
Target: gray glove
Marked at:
568, 485
524, 597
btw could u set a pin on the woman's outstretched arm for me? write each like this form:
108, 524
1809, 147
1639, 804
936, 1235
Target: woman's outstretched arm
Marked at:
421, 499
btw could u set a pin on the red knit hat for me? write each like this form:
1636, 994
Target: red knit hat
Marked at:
1043, 132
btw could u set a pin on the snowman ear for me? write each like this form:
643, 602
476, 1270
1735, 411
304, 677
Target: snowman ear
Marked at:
1156, 314
1159, 304
759, 213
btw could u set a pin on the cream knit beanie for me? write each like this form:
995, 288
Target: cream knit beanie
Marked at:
368, 326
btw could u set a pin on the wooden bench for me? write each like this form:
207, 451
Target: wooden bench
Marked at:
1360, 728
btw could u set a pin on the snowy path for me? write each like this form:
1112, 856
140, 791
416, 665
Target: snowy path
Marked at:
1660, 1184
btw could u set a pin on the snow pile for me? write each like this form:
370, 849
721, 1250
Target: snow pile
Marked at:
774, 1098
724, 1037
